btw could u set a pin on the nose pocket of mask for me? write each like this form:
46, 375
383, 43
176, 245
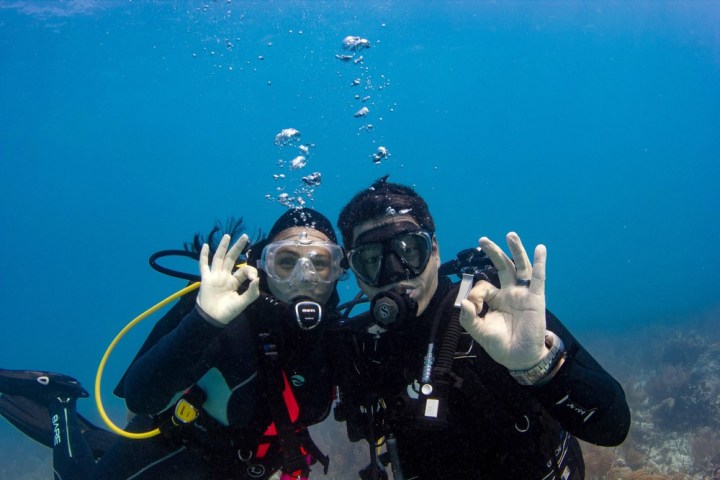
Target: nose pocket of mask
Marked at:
304, 273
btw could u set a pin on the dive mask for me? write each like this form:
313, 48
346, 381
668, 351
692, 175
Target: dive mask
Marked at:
371, 261
302, 261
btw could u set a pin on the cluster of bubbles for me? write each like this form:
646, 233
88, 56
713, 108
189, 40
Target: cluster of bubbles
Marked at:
362, 79
380, 155
305, 187
294, 187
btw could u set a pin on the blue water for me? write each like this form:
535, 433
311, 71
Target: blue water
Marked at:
126, 126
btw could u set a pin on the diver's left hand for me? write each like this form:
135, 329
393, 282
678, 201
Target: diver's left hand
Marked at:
218, 295
512, 332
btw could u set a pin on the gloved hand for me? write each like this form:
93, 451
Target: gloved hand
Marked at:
218, 296
512, 332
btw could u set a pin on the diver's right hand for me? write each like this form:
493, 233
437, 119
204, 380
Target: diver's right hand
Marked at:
218, 296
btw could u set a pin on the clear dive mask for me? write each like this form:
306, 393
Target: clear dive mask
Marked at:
302, 261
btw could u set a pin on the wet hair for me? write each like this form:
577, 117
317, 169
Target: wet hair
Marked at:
383, 198
296, 217
233, 227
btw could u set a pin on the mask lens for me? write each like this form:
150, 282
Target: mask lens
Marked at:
287, 258
284, 263
413, 250
366, 262
321, 262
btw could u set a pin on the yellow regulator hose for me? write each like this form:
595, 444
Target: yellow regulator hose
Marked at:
111, 347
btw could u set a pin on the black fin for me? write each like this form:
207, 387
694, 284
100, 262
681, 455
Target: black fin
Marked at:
33, 419
40, 386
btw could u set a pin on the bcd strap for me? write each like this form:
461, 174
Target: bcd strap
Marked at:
282, 404
314, 450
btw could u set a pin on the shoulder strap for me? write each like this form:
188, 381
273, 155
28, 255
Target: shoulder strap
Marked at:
283, 409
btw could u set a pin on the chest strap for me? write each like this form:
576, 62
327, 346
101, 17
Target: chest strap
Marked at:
285, 411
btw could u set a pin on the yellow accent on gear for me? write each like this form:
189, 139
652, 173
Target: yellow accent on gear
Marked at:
111, 347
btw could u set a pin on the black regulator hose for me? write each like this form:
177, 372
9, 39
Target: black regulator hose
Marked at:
174, 273
446, 355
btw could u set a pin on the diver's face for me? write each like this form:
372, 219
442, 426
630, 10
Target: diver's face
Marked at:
422, 287
287, 261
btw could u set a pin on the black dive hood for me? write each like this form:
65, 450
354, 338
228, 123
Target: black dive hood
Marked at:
393, 307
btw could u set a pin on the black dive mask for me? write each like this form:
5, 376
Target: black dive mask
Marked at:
391, 252
392, 307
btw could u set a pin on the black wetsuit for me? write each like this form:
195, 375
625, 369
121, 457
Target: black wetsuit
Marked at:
497, 428
238, 389
258, 383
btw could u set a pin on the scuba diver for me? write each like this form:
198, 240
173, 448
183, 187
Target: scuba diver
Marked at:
462, 380
233, 375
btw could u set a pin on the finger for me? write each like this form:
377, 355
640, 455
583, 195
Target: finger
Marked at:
244, 273
219, 257
482, 292
203, 262
523, 268
505, 267
251, 294
234, 253
537, 286
468, 314
472, 324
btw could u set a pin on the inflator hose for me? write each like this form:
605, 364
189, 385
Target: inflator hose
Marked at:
111, 347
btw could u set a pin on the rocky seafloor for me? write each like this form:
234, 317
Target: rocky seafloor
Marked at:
671, 377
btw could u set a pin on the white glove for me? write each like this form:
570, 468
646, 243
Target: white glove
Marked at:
512, 332
218, 296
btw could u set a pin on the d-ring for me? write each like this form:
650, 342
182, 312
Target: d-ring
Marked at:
522, 282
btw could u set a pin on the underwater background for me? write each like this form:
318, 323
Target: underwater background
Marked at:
592, 127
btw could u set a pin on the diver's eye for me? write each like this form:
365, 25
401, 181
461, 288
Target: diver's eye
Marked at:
371, 254
286, 262
410, 252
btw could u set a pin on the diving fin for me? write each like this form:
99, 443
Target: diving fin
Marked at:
33, 419
42, 387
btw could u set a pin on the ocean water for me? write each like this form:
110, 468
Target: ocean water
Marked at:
127, 126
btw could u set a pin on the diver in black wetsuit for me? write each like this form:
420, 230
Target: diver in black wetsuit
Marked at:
463, 381
253, 369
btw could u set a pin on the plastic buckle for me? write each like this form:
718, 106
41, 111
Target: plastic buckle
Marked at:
185, 411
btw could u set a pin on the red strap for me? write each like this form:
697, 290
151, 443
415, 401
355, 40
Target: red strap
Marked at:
293, 410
